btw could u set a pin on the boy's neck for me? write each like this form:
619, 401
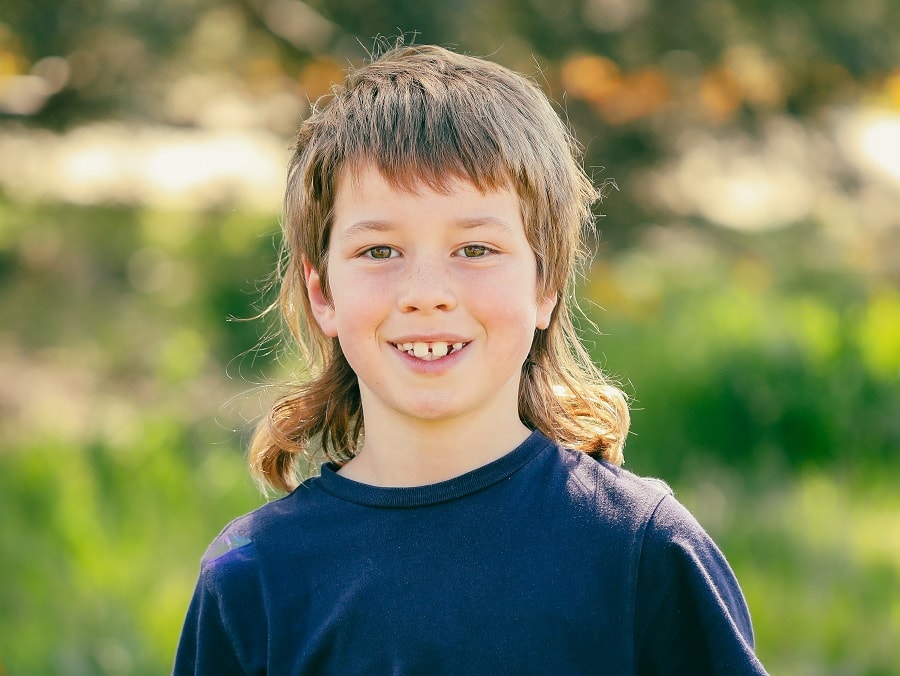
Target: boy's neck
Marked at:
419, 453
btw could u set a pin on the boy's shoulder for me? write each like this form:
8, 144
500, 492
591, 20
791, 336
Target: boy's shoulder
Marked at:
239, 538
612, 488
627, 481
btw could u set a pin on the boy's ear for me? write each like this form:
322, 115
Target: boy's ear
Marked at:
322, 307
545, 310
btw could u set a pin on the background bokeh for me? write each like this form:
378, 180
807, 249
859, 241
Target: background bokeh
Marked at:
746, 288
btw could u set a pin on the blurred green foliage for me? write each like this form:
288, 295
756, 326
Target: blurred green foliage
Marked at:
767, 400
117, 464
749, 358
761, 351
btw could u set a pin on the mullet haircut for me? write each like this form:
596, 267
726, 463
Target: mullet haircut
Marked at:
425, 115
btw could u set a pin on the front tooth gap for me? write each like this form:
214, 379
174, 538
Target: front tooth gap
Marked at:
429, 351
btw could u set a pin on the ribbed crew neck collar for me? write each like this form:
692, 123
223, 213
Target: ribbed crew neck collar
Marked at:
417, 496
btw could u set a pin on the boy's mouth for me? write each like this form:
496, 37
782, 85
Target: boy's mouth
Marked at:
429, 351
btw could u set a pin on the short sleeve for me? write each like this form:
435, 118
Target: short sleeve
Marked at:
690, 614
224, 629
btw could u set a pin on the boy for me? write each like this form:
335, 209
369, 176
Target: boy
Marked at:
461, 523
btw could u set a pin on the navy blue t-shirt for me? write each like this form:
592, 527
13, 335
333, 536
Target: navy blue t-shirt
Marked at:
542, 562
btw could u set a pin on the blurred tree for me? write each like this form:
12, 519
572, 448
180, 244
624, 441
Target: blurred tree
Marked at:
633, 77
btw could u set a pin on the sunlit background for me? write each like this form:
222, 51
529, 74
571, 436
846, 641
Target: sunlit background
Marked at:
746, 287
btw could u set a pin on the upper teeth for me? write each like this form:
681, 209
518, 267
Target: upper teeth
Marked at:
429, 351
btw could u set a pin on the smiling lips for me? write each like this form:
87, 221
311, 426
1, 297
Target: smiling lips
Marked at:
429, 351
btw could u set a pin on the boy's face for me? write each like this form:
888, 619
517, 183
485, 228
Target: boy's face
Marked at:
433, 297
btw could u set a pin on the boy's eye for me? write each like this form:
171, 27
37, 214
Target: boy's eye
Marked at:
380, 252
474, 250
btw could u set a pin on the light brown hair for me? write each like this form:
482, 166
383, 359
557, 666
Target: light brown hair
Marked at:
426, 114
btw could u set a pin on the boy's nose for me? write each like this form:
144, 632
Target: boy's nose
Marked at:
426, 288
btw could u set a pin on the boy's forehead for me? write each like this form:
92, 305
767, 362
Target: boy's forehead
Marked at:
367, 193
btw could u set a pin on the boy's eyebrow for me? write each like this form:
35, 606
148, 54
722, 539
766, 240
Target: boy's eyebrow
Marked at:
362, 227
484, 222
366, 226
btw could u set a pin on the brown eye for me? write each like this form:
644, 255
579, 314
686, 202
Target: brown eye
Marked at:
380, 252
474, 251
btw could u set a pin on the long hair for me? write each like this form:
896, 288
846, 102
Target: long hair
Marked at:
423, 114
